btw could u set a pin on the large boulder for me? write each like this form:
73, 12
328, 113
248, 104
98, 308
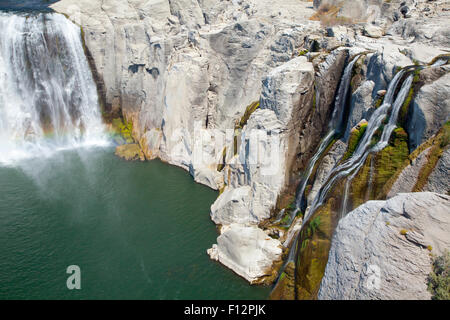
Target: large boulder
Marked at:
382, 249
246, 250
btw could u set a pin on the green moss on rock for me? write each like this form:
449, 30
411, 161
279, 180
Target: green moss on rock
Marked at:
122, 131
355, 136
130, 152
437, 143
436, 151
359, 188
439, 278
388, 160
248, 112
285, 287
221, 165
313, 247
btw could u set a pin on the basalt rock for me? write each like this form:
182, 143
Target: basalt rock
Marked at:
381, 250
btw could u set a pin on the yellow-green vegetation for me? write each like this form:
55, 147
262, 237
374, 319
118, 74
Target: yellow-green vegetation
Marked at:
235, 145
444, 139
122, 131
221, 165
390, 159
403, 232
248, 112
378, 170
314, 225
241, 124
444, 56
308, 190
437, 143
313, 248
285, 219
379, 102
430, 248
436, 151
291, 205
303, 52
439, 278
359, 187
130, 152
285, 287
355, 136
403, 114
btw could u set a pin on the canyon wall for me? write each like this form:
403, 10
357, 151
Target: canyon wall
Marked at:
240, 94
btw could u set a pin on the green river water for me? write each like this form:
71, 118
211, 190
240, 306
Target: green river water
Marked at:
136, 230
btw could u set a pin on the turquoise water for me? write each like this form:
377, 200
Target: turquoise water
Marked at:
136, 230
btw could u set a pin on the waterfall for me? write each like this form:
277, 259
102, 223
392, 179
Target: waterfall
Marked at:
364, 148
353, 164
48, 98
335, 127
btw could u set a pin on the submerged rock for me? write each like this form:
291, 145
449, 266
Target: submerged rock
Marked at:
381, 250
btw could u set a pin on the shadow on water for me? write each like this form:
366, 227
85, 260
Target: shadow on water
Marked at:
27, 5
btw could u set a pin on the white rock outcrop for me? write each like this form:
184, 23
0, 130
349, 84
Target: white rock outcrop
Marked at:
381, 250
247, 250
259, 171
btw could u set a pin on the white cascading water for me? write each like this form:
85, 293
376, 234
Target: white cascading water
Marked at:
364, 148
352, 165
335, 126
48, 98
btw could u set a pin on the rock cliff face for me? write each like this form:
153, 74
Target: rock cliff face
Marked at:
174, 66
241, 93
382, 249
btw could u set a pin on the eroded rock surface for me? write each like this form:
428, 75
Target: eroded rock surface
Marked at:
381, 250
